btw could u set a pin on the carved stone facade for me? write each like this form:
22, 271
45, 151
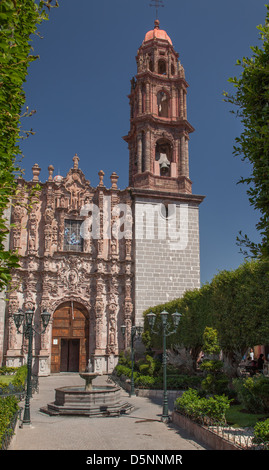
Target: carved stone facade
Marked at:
95, 273
83, 257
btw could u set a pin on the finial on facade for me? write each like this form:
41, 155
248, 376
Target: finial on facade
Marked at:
51, 170
156, 24
36, 170
75, 160
114, 179
101, 177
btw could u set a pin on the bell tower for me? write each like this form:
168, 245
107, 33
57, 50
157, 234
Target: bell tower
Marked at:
166, 213
159, 129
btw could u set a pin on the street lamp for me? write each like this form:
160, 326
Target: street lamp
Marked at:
166, 332
136, 331
26, 319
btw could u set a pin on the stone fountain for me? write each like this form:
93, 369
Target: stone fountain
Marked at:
90, 400
89, 377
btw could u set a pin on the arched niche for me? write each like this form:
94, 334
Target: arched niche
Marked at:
163, 104
162, 67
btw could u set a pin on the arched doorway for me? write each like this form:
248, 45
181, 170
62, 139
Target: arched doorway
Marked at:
70, 338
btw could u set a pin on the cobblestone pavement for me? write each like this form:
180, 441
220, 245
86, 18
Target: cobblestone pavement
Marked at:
142, 429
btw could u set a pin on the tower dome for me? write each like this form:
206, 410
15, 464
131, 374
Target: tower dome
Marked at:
157, 33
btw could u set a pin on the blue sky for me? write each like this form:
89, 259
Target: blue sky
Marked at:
79, 88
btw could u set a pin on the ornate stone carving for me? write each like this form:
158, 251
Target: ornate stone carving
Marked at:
94, 277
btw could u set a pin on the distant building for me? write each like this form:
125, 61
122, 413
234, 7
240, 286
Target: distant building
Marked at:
96, 258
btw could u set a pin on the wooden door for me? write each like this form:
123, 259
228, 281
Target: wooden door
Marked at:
70, 334
70, 352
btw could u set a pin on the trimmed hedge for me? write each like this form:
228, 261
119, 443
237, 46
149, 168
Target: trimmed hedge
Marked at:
174, 382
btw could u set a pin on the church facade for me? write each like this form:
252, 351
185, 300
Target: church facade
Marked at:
97, 257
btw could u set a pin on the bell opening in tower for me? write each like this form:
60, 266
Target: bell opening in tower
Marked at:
163, 156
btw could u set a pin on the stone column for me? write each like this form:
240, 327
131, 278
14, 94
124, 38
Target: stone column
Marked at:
185, 104
181, 165
181, 103
147, 98
139, 153
139, 99
147, 150
187, 157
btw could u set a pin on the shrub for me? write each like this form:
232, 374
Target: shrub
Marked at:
7, 370
188, 403
20, 376
191, 404
8, 408
123, 370
15, 382
125, 358
149, 366
146, 381
253, 393
215, 382
261, 432
181, 382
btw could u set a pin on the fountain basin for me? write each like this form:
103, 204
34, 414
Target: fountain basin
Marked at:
89, 377
106, 395
98, 401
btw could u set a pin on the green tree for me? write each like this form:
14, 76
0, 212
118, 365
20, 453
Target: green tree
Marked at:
235, 303
251, 100
196, 315
240, 305
18, 22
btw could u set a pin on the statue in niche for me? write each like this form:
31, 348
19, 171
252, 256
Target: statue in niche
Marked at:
62, 201
163, 104
113, 247
31, 243
74, 197
49, 215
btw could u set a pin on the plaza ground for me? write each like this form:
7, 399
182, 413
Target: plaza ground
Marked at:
142, 429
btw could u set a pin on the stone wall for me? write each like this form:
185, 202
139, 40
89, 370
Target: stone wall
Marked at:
167, 252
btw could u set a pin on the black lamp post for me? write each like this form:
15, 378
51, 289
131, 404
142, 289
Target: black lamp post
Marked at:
166, 332
26, 319
136, 331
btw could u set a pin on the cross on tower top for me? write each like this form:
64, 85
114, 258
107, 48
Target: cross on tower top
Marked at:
157, 4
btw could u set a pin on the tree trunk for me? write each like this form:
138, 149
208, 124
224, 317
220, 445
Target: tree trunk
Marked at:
183, 358
231, 361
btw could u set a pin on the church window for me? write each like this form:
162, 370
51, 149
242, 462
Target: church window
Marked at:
72, 237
